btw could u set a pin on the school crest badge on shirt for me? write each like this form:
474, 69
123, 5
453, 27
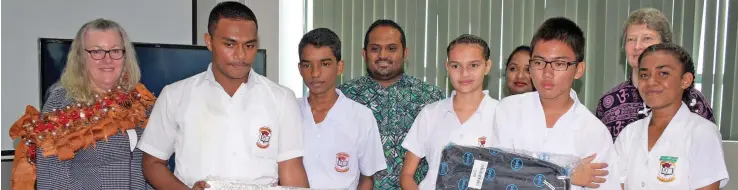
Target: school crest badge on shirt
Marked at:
265, 134
668, 166
482, 141
342, 162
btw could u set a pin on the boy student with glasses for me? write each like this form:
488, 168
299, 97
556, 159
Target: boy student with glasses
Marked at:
552, 119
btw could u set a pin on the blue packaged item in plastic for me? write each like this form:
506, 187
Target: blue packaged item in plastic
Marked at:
464, 167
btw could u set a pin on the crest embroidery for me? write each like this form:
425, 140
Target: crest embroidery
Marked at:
668, 166
265, 134
342, 162
482, 141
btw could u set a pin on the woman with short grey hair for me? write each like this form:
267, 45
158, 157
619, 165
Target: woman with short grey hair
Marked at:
623, 104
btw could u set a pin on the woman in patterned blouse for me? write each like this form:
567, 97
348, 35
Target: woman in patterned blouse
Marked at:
623, 105
92, 118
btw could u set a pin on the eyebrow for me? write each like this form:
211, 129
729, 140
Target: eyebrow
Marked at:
555, 58
474, 61
663, 67
234, 40
657, 67
113, 47
322, 60
229, 39
374, 44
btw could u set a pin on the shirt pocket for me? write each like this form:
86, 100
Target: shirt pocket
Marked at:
341, 158
672, 171
261, 135
342, 164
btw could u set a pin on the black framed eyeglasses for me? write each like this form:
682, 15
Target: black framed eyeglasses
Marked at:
557, 65
100, 54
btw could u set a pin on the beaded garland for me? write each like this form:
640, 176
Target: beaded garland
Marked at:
80, 125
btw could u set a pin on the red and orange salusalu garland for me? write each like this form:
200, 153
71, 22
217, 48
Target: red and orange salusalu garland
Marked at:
63, 132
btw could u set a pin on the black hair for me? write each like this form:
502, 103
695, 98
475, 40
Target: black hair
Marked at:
321, 37
230, 10
389, 23
517, 49
564, 30
470, 39
682, 55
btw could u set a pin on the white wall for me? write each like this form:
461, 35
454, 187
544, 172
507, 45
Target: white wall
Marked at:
24, 21
267, 14
291, 28
731, 160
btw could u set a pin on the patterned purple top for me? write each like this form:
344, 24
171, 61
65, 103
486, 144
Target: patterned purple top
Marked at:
623, 105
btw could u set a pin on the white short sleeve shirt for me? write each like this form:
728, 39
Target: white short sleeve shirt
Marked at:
343, 147
688, 155
437, 125
520, 124
242, 137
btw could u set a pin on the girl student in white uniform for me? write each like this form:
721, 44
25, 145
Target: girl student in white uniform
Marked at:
672, 148
464, 118
551, 119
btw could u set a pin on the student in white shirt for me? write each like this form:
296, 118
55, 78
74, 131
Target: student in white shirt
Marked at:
465, 118
552, 119
672, 148
341, 138
227, 122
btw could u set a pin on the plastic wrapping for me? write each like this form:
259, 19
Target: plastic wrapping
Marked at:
225, 184
464, 167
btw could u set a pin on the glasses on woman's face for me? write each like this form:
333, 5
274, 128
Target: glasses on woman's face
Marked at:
558, 65
114, 54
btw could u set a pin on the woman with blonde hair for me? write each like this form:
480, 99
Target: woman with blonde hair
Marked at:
623, 104
85, 135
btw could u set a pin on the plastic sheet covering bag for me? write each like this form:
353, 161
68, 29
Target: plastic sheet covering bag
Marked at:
225, 184
465, 167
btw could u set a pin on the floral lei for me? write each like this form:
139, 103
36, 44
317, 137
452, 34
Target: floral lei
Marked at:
63, 132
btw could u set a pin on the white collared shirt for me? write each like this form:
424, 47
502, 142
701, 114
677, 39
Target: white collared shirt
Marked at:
213, 134
343, 147
688, 155
437, 125
520, 124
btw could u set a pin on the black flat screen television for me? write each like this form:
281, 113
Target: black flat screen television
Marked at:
161, 64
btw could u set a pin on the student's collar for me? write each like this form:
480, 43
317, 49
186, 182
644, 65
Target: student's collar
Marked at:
449, 105
572, 95
575, 98
681, 116
211, 78
336, 113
